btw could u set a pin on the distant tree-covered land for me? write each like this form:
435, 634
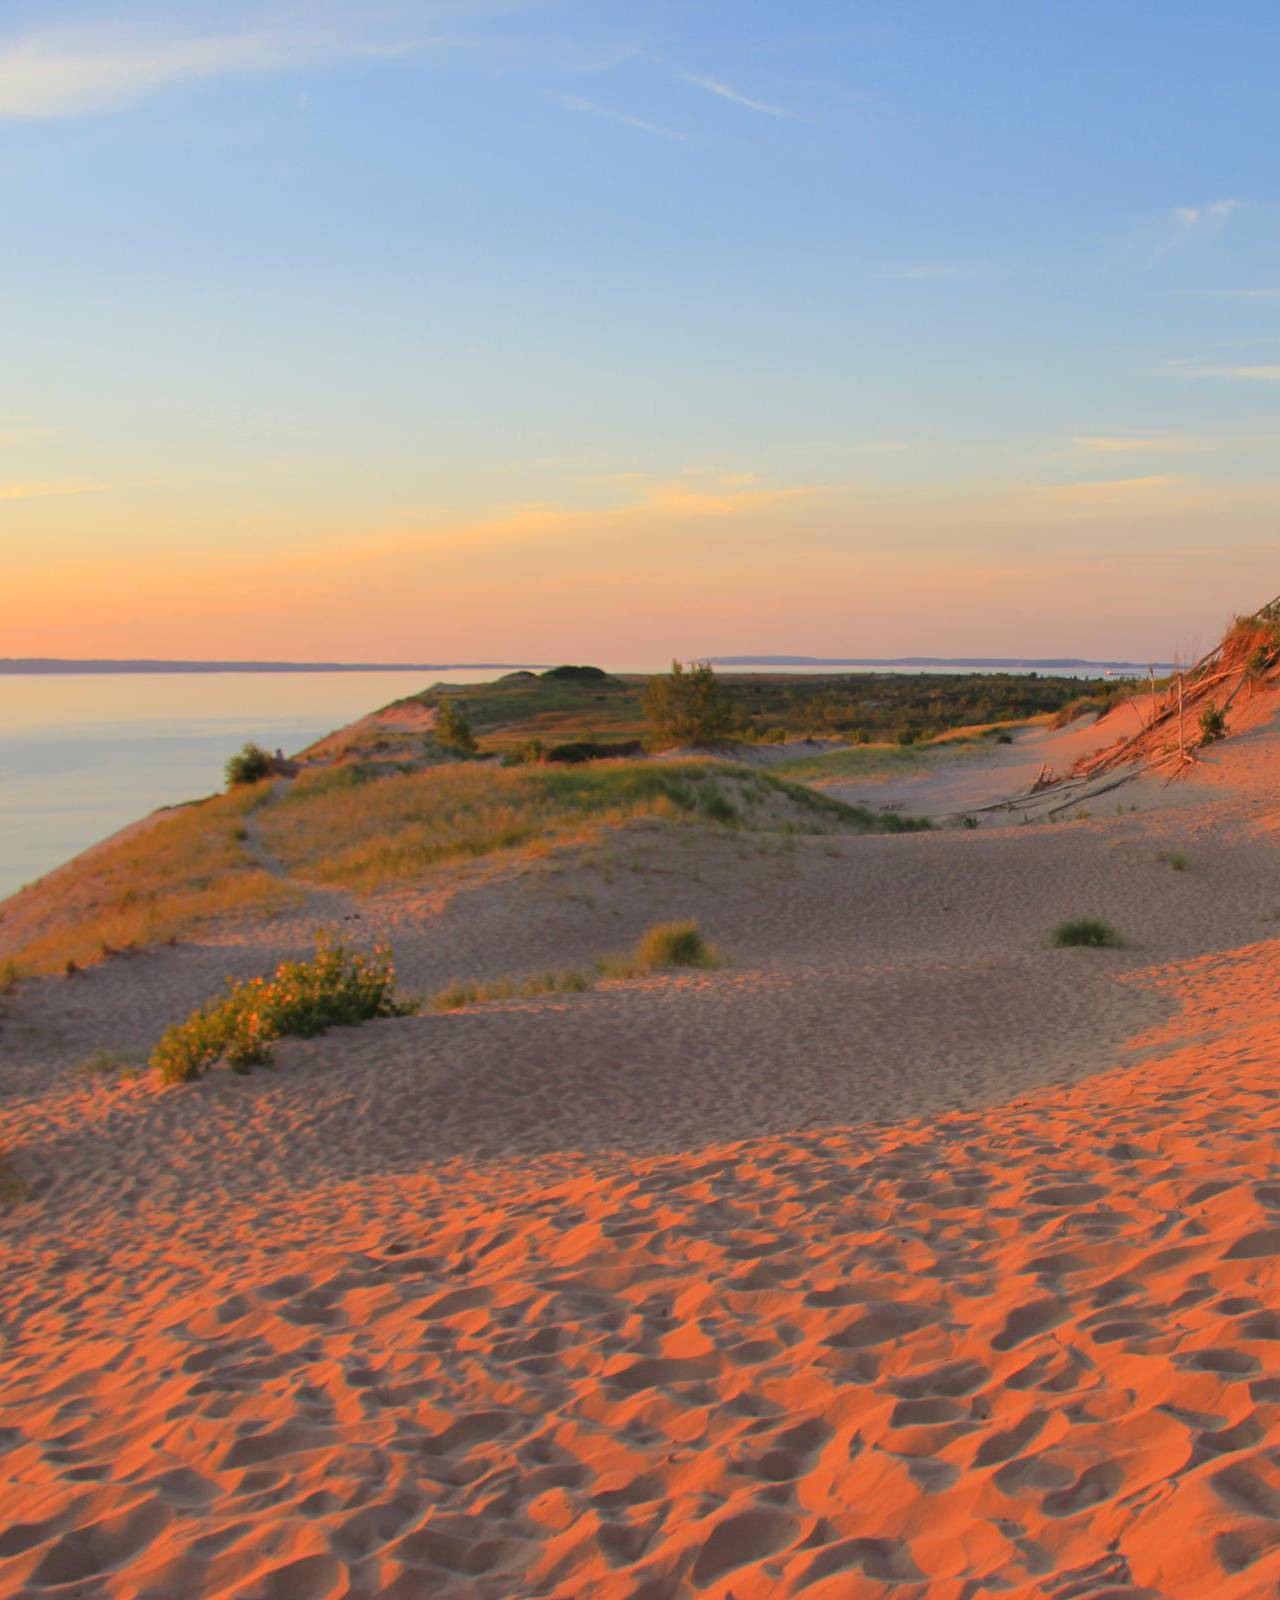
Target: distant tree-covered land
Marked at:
594, 708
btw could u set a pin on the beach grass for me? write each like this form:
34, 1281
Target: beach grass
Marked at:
1090, 932
367, 835
665, 946
181, 869
263, 847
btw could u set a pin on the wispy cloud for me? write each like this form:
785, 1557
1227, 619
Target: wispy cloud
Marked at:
1138, 444
1182, 228
44, 491
1256, 372
591, 108
1213, 215
1106, 489
735, 96
75, 70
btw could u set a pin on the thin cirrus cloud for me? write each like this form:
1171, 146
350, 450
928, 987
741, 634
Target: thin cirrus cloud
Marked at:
734, 96
592, 108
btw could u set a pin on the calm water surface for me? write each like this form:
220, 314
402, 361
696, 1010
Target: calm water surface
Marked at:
82, 755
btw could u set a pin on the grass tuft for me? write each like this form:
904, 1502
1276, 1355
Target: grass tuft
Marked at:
107, 1063
1088, 931
457, 994
674, 944
1174, 859
666, 945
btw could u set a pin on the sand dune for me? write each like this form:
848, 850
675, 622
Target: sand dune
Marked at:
902, 1256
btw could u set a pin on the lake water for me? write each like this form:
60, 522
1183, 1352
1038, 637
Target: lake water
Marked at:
83, 754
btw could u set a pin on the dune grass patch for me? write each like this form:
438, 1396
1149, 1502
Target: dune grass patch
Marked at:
364, 835
107, 1063
358, 827
1090, 932
664, 947
181, 869
457, 994
337, 987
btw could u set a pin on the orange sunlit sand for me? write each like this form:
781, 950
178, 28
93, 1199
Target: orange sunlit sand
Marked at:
903, 1254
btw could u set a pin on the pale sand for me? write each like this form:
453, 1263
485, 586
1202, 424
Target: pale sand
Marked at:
903, 1256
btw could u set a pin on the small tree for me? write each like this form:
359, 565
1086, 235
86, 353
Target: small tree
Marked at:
251, 765
453, 730
688, 706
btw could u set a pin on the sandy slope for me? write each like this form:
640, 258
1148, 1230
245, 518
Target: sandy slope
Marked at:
904, 1256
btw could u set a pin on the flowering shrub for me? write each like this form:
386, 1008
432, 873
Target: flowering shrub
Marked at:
336, 986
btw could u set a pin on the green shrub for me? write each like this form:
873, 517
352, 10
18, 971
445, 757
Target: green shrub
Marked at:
528, 754
10, 976
687, 706
251, 765
1004, 738
337, 986
1090, 931
1213, 724
453, 730
1174, 859
718, 808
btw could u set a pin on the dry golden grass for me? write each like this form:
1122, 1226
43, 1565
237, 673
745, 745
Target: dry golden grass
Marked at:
353, 826
186, 867
353, 831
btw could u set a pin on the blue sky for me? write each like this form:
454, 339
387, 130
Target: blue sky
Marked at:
462, 329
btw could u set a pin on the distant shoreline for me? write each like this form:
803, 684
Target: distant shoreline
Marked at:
965, 662
43, 666
35, 666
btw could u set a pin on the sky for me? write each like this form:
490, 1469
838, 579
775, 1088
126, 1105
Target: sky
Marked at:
466, 331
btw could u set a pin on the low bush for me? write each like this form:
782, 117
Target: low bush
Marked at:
1213, 724
528, 754
250, 765
336, 987
1089, 931
1173, 859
